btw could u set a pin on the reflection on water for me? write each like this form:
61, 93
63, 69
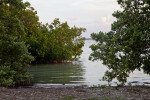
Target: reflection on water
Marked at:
64, 73
83, 72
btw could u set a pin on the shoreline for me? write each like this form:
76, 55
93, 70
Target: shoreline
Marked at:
76, 93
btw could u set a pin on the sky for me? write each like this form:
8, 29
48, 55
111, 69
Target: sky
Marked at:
94, 15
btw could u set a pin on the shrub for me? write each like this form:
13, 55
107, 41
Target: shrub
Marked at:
14, 60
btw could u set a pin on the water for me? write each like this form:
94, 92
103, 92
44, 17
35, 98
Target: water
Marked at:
81, 72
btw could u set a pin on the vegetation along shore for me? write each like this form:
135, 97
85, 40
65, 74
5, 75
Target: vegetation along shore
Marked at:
24, 41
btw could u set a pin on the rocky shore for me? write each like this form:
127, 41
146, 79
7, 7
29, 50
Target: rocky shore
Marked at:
78, 93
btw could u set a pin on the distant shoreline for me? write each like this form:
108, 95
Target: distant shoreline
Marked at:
88, 39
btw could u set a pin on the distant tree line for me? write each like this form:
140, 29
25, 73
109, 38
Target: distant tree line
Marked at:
24, 39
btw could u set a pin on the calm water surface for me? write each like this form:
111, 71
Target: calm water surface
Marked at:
81, 72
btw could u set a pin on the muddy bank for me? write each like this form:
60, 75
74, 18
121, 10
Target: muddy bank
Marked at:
127, 93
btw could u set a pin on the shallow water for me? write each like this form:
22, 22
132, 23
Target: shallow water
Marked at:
81, 72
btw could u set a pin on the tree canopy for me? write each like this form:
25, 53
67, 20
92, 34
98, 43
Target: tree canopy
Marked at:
14, 55
24, 39
48, 43
127, 46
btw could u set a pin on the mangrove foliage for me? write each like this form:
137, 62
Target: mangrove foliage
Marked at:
127, 46
24, 39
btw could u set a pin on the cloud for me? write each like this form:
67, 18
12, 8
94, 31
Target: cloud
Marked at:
107, 20
104, 19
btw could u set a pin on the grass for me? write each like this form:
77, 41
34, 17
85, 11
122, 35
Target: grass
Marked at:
68, 98
73, 98
112, 99
105, 99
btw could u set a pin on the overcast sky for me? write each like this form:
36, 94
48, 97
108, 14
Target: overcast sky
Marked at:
94, 15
